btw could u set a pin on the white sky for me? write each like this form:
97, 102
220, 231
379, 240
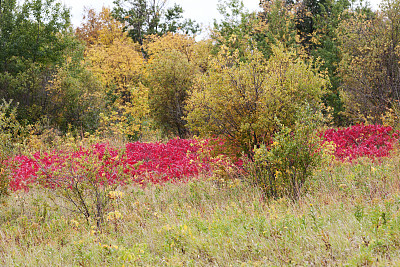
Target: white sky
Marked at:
202, 11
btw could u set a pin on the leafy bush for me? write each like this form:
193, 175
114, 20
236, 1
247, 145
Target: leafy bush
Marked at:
84, 182
238, 100
282, 169
11, 135
174, 61
4, 183
170, 77
75, 98
11, 131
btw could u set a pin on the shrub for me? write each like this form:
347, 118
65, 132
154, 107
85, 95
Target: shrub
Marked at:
84, 180
373, 141
4, 182
12, 134
175, 161
174, 60
170, 78
238, 100
282, 169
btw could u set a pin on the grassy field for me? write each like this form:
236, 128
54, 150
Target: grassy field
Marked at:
349, 216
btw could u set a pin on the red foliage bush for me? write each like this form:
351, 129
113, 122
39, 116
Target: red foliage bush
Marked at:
373, 141
177, 160
180, 160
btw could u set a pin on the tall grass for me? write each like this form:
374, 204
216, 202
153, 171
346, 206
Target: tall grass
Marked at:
350, 216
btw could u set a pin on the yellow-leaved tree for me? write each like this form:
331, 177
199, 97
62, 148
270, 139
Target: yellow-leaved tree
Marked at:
117, 62
267, 109
174, 61
245, 101
370, 67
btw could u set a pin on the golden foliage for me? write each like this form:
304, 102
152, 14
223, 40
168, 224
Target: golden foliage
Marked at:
99, 28
240, 100
192, 51
117, 62
370, 64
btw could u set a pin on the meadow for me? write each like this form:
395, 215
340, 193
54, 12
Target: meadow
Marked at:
182, 206
140, 138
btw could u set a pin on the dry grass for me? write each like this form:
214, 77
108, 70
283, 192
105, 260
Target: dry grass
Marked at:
349, 216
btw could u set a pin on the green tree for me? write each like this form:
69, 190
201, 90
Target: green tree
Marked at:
30, 33
322, 42
174, 61
33, 38
76, 96
235, 28
148, 17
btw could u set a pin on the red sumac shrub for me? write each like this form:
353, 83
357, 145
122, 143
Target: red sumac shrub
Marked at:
372, 141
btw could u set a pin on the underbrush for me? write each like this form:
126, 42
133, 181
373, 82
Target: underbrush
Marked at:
350, 216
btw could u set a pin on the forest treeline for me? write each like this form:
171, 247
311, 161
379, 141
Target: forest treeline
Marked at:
137, 67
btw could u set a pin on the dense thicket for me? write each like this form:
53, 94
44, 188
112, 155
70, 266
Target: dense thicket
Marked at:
245, 101
370, 68
33, 38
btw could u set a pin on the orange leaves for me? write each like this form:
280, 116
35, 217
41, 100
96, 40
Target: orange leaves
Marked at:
113, 56
100, 28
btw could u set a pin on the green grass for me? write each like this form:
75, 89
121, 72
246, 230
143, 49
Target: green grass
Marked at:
350, 216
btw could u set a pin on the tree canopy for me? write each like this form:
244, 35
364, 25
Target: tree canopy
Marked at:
33, 38
147, 17
139, 66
